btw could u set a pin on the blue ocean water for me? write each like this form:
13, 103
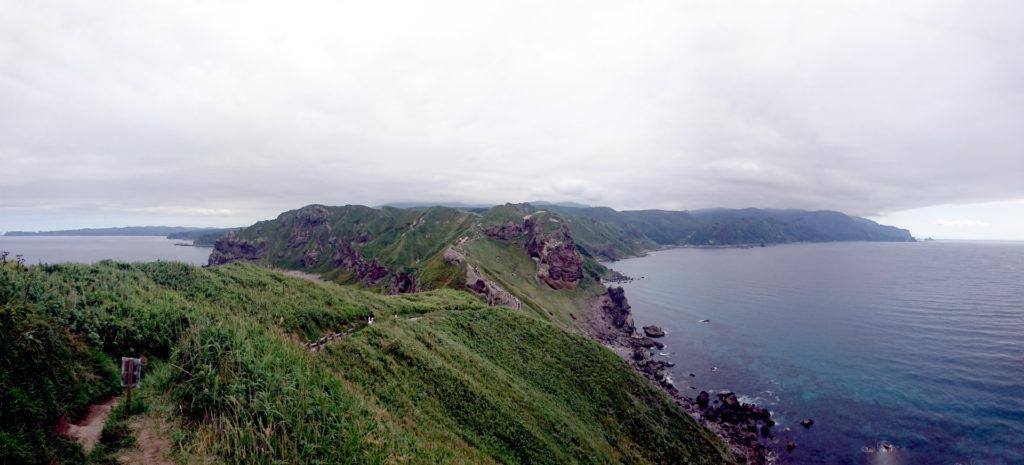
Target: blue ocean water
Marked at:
920, 345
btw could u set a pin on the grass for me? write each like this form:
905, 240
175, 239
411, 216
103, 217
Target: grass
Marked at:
439, 377
507, 264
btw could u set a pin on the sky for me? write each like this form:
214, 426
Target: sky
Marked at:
207, 113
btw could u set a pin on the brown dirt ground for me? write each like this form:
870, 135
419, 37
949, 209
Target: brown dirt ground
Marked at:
152, 442
87, 430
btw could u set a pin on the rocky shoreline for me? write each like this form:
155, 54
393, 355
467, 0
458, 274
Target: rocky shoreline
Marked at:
742, 426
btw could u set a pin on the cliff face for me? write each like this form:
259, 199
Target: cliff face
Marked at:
230, 248
559, 264
610, 318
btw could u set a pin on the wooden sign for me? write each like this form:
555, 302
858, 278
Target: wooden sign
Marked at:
131, 372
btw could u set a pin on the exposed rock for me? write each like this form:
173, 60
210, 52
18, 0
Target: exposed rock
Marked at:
703, 398
403, 283
559, 264
453, 257
505, 232
790, 445
311, 257
302, 223
740, 425
362, 237
548, 241
618, 308
495, 294
230, 248
653, 331
349, 258
647, 342
807, 423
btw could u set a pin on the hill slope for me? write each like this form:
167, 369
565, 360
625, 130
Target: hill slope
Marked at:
612, 234
439, 378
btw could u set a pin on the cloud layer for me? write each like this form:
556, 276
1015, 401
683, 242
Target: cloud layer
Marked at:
228, 112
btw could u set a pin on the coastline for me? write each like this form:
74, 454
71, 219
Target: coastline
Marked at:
741, 426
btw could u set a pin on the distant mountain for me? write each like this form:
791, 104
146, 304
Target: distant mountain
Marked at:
612, 234
125, 231
545, 203
204, 237
477, 206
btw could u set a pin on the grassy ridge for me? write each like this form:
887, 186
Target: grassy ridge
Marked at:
438, 379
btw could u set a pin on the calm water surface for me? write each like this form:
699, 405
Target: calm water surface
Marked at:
917, 344
91, 249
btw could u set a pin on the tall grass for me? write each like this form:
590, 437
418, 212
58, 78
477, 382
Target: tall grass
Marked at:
439, 377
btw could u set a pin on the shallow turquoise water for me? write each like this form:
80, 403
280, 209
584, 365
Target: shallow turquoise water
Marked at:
917, 344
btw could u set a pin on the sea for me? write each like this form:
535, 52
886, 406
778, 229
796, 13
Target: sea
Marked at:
901, 353
91, 249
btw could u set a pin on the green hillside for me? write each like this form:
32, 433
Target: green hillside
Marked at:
438, 378
393, 250
611, 234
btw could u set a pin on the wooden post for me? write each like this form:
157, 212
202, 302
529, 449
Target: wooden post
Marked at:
131, 371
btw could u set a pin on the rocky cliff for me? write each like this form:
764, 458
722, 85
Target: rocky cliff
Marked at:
230, 248
549, 243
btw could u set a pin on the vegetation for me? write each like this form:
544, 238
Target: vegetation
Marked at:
438, 378
611, 234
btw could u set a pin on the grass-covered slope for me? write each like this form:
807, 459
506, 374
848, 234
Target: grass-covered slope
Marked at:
439, 378
357, 244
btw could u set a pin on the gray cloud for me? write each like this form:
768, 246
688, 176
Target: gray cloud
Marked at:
228, 112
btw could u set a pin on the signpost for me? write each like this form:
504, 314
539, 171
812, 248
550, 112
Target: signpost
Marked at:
131, 374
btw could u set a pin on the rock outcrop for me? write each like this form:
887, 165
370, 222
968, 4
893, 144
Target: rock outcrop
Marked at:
559, 264
302, 223
548, 242
617, 307
654, 331
366, 271
403, 283
505, 232
489, 290
230, 248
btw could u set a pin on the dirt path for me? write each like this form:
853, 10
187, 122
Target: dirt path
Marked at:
152, 442
87, 431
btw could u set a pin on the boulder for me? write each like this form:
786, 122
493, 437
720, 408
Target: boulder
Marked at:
703, 398
653, 331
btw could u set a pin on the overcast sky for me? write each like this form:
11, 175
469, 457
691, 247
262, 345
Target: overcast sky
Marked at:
224, 113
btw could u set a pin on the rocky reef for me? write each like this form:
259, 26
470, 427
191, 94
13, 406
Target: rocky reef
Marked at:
230, 248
